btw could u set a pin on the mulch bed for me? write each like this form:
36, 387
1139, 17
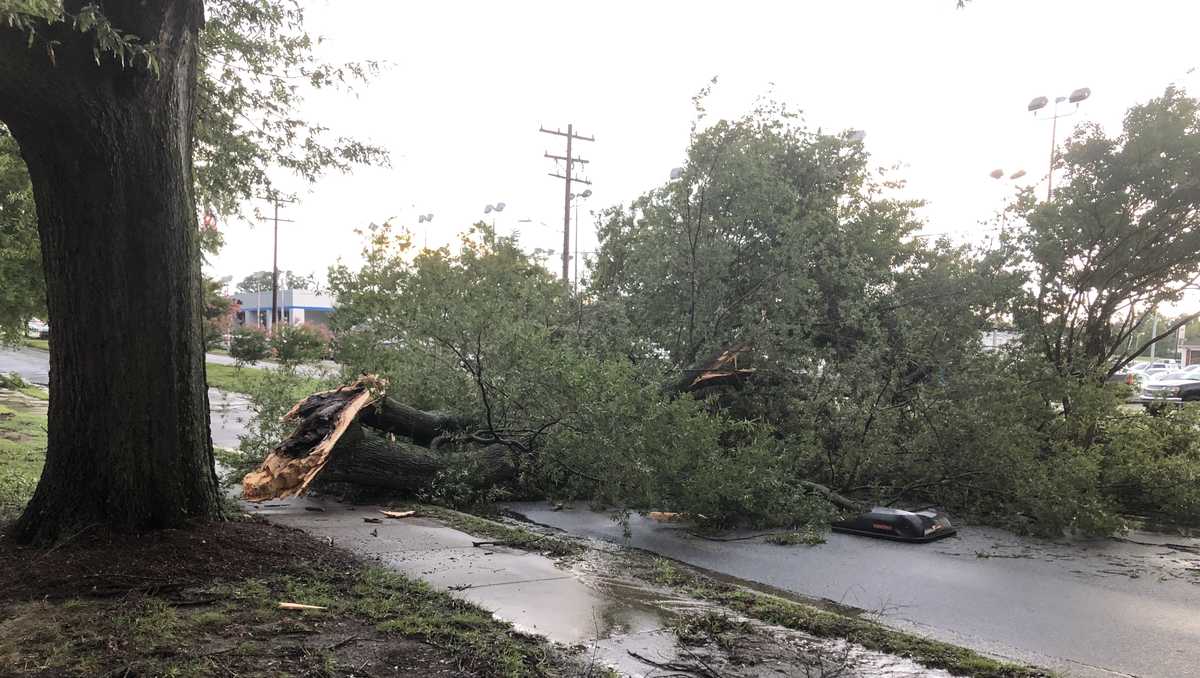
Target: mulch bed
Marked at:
100, 563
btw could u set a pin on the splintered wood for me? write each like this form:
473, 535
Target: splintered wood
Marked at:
294, 463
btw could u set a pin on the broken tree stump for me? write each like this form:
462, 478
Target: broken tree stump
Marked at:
323, 417
356, 435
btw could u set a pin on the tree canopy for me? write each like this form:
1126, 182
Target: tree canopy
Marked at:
1119, 240
258, 61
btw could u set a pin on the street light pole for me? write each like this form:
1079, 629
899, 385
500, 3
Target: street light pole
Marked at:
425, 219
498, 207
1039, 103
587, 193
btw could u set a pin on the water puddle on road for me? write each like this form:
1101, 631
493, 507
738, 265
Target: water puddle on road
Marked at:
648, 630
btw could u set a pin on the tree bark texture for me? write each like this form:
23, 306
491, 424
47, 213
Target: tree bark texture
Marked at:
403, 420
109, 153
374, 460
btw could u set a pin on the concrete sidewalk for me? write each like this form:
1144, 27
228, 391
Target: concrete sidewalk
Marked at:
580, 603
527, 589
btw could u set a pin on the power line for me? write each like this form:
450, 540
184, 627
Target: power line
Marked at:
569, 161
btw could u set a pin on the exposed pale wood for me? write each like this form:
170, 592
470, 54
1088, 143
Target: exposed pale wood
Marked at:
282, 473
300, 606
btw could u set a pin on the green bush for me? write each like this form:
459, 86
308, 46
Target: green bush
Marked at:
249, 344
293, 344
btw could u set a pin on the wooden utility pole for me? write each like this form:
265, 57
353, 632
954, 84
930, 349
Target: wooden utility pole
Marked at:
568, 177
274, 198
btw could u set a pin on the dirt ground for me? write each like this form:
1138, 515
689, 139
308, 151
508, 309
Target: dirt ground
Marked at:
204, 602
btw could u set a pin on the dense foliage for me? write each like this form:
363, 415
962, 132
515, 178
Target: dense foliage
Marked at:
249, 344
258, 64
260, 281
859, 344
293, 344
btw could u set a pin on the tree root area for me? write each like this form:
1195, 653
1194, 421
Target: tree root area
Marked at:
206, 602
97, 563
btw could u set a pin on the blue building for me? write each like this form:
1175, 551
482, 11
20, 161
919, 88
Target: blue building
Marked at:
295, 306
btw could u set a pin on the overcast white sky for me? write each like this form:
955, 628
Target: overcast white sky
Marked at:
940, 92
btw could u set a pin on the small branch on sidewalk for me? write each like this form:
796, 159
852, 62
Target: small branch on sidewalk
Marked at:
679, 667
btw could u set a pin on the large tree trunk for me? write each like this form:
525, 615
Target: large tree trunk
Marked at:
109, 153
396, 417
363, 457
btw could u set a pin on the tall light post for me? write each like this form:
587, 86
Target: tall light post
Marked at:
493, 210
587, 193
1038, 104
425, 219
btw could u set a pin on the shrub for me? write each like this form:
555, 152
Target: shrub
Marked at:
13, 381
294, 344
249, 344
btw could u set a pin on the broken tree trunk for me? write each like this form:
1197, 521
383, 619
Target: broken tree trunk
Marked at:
363, 457
293, 465
350, 435
395, 417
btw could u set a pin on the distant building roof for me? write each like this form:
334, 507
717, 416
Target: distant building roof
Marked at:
253, 301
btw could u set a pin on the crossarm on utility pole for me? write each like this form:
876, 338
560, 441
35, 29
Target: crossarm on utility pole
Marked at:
569, 161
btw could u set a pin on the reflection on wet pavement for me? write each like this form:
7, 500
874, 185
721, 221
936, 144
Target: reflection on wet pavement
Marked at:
585, 602
229, 413
1099, 607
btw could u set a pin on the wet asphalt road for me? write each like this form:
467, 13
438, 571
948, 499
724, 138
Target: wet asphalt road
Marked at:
229, 412
1096, 608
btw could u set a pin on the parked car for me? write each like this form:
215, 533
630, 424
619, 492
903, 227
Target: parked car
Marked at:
1173, 387
38, 329
1138, 375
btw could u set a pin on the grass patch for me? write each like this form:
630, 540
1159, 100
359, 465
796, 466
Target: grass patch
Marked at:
39, 344
242, 631
710, 627
515, 537
232, 378
22, 453
244, 379
825, 624
13, 382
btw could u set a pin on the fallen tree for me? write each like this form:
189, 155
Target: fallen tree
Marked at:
356, 434
360, 435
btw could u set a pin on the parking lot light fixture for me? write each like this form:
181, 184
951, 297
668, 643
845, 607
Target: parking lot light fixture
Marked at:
1037, 104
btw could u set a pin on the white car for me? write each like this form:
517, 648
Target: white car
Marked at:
38, 329
1141, 373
